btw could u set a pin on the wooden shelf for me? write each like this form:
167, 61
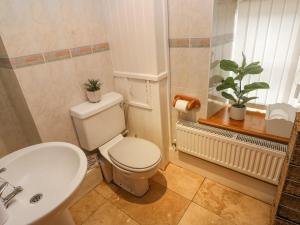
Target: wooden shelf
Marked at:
254, 124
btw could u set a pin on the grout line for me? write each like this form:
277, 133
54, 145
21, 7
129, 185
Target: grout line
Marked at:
190, 202
83, 222
198, 189
93, 212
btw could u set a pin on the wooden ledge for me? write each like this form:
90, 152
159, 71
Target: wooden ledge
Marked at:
254, 124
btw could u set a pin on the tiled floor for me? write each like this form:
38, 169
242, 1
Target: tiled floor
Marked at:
176, 196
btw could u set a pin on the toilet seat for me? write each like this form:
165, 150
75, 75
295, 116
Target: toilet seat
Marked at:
135, 154
131, 146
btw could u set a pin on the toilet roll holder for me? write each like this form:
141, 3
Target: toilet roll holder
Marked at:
194, 103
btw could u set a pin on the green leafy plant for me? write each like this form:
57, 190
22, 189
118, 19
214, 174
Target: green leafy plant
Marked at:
240, 92
93, 85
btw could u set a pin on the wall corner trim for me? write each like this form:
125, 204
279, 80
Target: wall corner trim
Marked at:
141, 76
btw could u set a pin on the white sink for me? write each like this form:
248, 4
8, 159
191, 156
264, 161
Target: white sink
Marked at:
55, 170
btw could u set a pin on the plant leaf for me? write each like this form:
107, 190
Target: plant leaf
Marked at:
229, 65
92, 85
228, 96
227, 83
255, 86
246, 99
253, 68
240, 76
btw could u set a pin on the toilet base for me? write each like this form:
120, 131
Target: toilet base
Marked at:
137, 187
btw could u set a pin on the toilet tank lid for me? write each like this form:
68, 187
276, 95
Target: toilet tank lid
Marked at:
87, 109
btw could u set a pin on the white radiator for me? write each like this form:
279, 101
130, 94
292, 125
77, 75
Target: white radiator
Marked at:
253, 156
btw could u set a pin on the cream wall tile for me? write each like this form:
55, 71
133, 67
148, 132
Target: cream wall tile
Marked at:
83, 22
96, 66
190, 18
38, 26
52, 89
16, 22
190, 67
11, 132
19, 103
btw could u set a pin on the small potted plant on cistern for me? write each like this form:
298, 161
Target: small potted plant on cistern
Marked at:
239, 92
93, 90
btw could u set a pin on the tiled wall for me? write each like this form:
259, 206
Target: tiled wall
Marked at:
12, 135
287, 203
190, 23
53, 47
17, 128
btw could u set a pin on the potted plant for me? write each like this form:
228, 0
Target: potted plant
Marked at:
93, 90
239, 92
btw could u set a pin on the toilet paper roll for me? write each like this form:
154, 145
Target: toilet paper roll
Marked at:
3, 214
181, 105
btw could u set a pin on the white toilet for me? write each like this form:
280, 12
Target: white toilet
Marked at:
128, 161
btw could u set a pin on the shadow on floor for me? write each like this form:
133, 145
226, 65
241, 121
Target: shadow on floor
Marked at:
156, 191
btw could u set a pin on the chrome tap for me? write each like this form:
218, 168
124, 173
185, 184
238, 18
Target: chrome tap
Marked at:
2, 187
6, 200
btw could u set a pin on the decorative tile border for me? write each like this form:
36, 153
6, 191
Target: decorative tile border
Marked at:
28, 60
179, 43
47, 57
189, 43
57, 55
200, 42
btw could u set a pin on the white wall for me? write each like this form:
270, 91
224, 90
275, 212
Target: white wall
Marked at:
137, 31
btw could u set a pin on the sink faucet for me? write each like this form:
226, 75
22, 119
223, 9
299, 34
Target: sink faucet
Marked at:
2, 187
6, 200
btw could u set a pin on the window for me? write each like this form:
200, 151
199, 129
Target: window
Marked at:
268, 31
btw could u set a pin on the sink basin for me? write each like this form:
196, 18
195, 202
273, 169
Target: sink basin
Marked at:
52, 171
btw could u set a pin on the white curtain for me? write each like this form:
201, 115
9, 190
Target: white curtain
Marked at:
268, 31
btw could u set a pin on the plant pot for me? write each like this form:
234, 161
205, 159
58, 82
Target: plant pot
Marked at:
94, 96
237, 113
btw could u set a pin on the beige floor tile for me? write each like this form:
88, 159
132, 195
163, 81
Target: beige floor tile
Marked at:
232, 205
86, 206
108, 214
107, 190
182, 181
157, 207
196, 215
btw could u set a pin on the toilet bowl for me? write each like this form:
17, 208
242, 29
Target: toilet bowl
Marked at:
130, 162
127, 161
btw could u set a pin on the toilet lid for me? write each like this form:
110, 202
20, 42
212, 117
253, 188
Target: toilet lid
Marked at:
135, 153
